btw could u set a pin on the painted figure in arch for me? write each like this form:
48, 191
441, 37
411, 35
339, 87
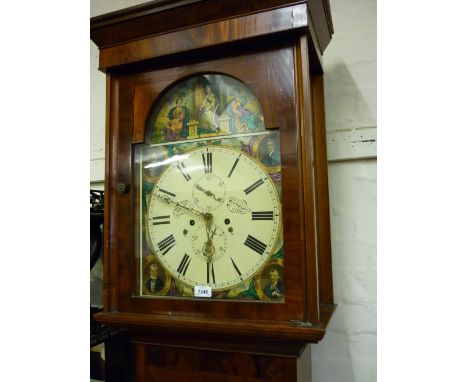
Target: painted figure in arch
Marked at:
179, 115
241, 120
209, 110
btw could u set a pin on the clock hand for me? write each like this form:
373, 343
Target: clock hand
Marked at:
212, 234
166, 199
208, 193
208, 250
209, 235
208, 247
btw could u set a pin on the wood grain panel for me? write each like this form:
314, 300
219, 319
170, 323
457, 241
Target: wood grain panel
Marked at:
110, 207
174, 365
321, 20
255, 25
207, 341
322, 198
290, 331
161, 16
305, 140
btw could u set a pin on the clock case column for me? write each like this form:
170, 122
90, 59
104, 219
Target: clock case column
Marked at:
279, 43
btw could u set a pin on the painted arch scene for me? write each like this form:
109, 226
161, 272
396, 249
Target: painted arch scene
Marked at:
205, 106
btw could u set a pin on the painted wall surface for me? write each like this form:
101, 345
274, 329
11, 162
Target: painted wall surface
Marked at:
348, 351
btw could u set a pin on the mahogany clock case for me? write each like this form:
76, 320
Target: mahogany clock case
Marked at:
284, 72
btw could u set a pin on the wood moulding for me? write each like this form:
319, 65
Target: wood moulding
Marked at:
161, 28
293, 331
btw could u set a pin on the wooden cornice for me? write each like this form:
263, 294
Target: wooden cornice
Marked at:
162, 27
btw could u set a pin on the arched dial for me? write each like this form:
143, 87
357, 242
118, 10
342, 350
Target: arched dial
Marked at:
214, 217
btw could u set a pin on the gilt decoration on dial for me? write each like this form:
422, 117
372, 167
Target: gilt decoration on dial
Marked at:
209, 210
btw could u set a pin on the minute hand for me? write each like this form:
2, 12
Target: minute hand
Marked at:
169, 200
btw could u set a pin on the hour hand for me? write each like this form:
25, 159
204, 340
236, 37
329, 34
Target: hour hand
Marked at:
208, 193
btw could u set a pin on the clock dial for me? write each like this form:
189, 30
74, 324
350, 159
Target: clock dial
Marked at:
213, 217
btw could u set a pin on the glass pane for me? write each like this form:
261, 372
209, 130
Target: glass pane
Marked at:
208, 201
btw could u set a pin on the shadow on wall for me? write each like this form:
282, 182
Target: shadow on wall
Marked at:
348, 351
350, 95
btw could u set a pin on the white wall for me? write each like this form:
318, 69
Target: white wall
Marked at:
98, 120
348, 351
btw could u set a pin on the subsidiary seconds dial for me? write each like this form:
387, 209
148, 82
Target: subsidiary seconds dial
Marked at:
214, 217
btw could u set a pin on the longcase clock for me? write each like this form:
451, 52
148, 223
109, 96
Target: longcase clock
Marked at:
217, 246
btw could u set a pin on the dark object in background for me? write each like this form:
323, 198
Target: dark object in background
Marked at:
96, 220
116, 341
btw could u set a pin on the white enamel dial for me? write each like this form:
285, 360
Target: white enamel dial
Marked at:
214, 217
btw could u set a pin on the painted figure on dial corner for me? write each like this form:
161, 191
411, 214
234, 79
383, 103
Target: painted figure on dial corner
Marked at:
276, 287
270, 154
154, 283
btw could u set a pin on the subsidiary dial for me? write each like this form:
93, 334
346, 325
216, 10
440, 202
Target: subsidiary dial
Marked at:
209, 243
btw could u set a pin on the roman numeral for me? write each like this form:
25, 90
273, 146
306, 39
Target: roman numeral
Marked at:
252, 187
184, 171
233, 167
161, 220
184, 264
166, 192
255, 245
262, 215
208, 162
236, 268
167, 244
210, 272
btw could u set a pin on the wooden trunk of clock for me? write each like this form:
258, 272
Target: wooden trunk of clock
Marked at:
156, 362
273, 48
158, 357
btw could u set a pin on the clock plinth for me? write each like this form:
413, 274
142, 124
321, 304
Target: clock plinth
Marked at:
215, 128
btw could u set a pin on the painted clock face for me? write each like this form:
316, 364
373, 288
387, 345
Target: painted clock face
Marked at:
214, 217
207, 209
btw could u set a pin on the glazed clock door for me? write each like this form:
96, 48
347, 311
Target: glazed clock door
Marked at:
210, 215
